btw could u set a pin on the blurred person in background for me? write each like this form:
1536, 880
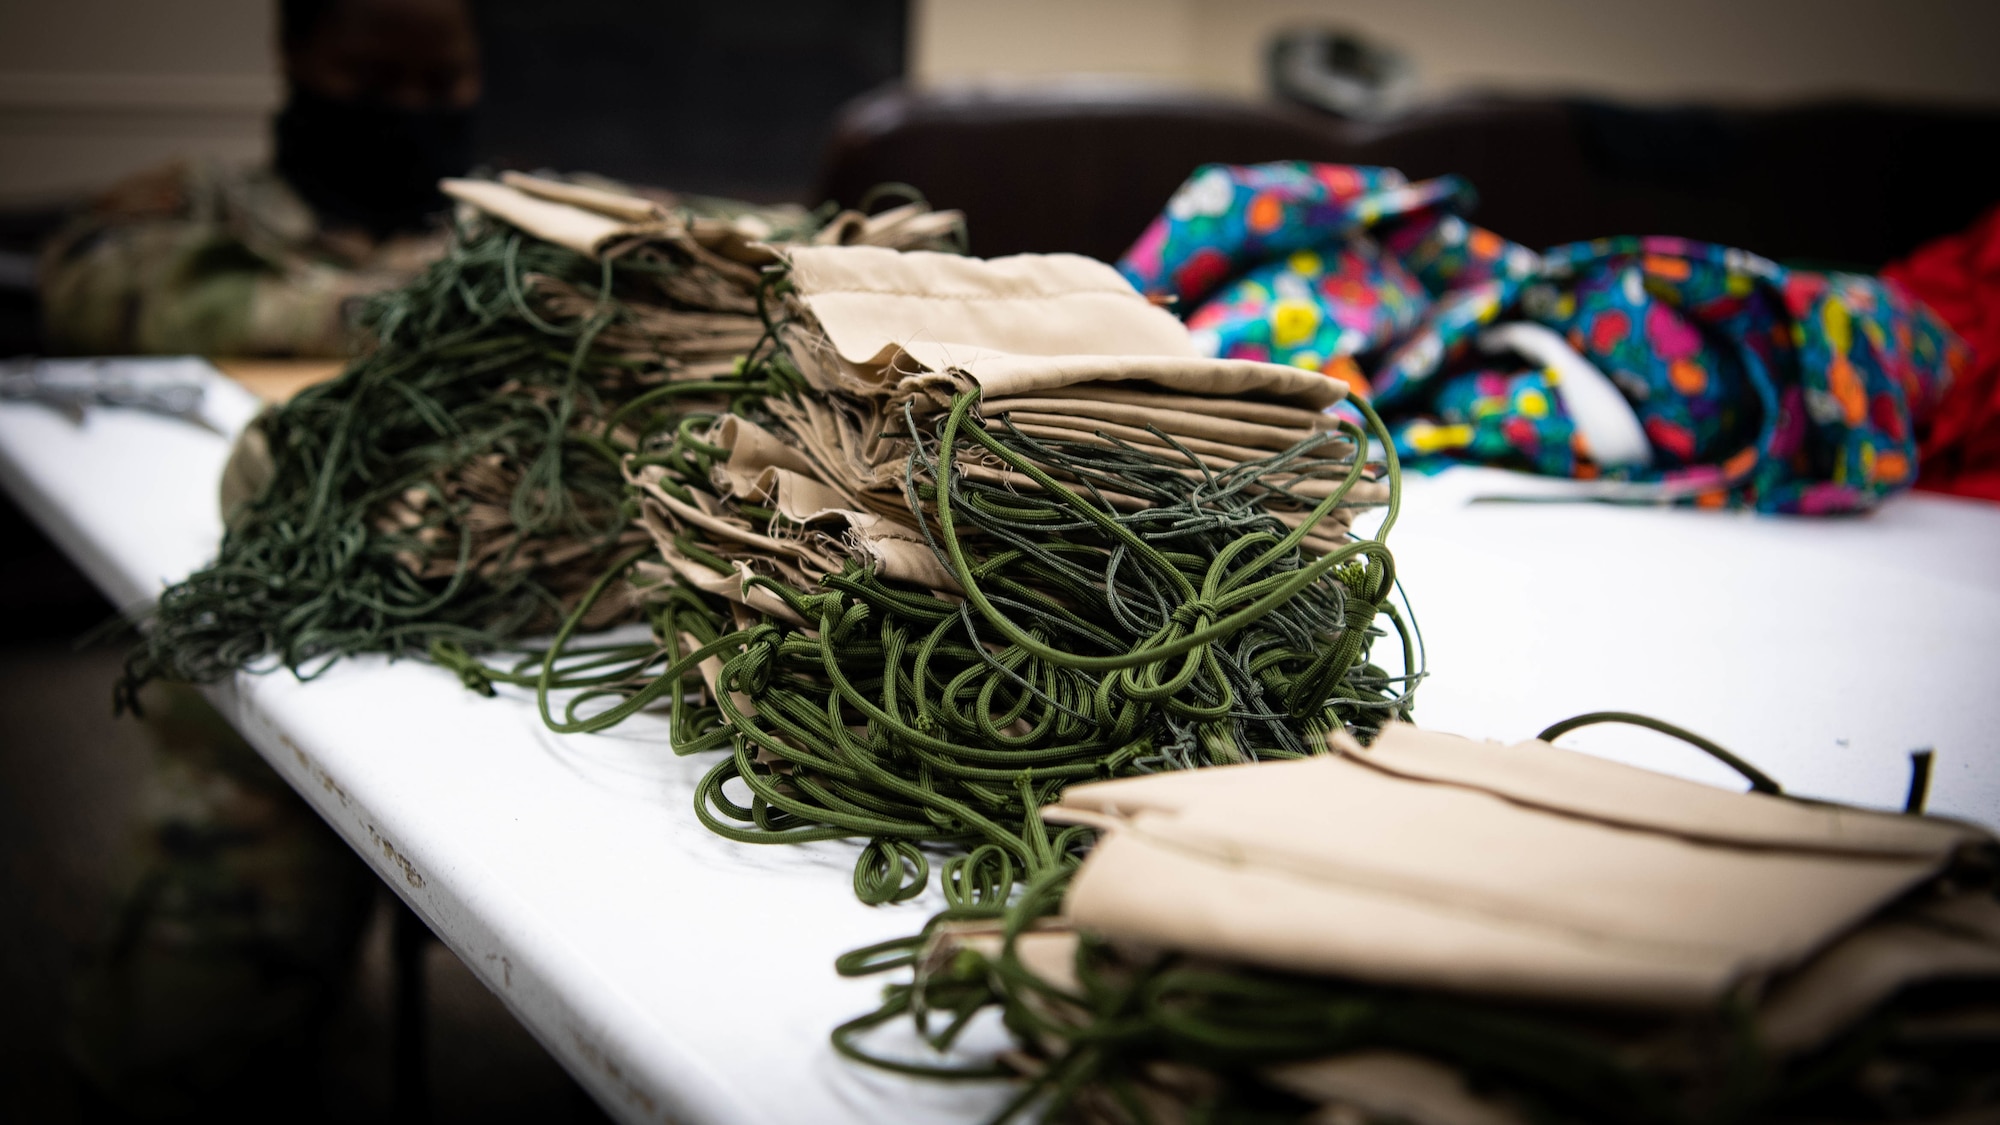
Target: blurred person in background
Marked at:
197, 258
231, 943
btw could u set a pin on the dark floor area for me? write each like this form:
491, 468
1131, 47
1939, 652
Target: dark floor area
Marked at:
76, 785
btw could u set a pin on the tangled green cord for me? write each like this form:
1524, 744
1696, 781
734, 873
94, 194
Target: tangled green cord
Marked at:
463, 367
1090, 642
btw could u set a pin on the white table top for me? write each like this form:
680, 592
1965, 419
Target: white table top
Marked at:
683, 977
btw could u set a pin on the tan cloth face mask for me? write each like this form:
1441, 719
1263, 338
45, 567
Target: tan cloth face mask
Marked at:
1525, 871
1522, 874
596, 221
879, 322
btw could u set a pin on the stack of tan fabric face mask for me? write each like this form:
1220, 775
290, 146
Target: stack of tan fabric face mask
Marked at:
461, 483
1723, 956
713, 264
1057, 346
989, 527
707, 317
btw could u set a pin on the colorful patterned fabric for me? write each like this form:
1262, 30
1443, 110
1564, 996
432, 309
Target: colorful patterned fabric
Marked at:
1755, 385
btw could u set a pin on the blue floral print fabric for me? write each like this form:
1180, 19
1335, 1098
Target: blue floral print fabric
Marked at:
1755, 385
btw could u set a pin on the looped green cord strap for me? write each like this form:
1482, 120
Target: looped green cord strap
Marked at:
890, 871
1760, 781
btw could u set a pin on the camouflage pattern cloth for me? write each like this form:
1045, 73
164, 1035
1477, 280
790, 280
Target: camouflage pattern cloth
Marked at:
197, 258
233, 939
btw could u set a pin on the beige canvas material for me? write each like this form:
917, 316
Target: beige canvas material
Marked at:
851, 444
702, 344
1525, 874
752, 449
1334, 865
733, 586
912, 224
699, 315
826, 530
247, 472
564, 224
872, 303
1942, 939
1548, 777
1144, 885
1012, 326
886, 338
765, 545
1938, 940
611, 204
1050, 954
595, 220
795, 496
766, 470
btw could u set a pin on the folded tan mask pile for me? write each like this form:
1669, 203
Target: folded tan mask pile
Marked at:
1057, 345
707, 316
697, 327
1533, 878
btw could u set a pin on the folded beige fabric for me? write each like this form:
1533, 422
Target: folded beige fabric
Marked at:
1011, 326
561, 221
1525, 871
613, 204
1060, 346
596, 221
870, 303
1609, 901
1939, 938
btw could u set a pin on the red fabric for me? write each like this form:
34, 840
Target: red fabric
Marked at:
1959, 277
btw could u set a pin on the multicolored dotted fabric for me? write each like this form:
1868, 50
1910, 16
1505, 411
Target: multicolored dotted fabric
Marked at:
1755, 385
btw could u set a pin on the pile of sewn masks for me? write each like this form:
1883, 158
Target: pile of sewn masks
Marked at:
971, 532
1436, 931
1660, 368
462, 482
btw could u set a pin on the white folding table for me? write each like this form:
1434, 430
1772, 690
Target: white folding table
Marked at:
684, 977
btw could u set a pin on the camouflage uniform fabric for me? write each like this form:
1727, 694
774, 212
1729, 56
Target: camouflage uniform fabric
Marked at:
197, 258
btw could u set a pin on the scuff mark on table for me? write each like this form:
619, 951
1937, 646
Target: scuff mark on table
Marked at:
411, 875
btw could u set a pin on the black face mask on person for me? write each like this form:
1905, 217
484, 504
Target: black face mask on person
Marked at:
369, 165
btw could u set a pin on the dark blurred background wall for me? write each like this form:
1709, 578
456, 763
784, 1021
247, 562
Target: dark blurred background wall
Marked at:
1649, 50
718, 97
94, 89
721, 97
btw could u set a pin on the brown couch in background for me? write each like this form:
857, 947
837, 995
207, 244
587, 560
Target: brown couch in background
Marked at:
1084, 167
